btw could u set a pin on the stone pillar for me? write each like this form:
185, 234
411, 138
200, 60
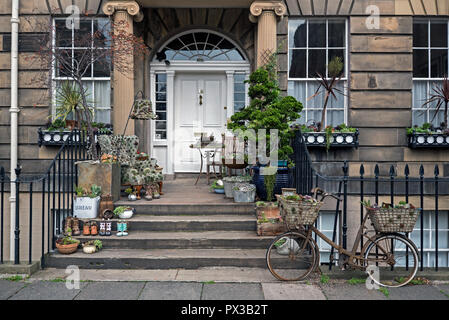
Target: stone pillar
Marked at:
123, 13
265, 13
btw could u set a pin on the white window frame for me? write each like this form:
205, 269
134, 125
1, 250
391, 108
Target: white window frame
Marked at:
428, 80
430, 250
88, 80
308, 79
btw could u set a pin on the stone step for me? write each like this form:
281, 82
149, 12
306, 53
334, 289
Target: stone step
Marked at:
189, 223
183, 240
158, 207
160, 259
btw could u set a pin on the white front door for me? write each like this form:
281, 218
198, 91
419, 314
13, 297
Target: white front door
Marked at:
200, 99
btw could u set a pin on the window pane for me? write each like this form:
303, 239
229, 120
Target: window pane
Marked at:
161, 115
297, 89
338, 102
239, 96
438, 63
313, 116
337, 53
161, 77
102, 65
239, 77
419, 93
420, 34
239, 87
102, 94
102, 32
297, 64
82, 62
161, 96
161, 125
103, 116
335, 117
83, 35
161, 135
64, 55
438, 34
161, 87
238, 106
297, 34
63, 34
318, 100
336, 34
436, 117
420, 63
317, 63
161, 106
317, 33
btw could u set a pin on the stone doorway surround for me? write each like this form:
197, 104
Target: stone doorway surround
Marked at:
264, 13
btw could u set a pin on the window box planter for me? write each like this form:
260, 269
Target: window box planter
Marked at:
338, 139
428, 140
57, 138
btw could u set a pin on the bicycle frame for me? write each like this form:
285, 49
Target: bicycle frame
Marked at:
353, 256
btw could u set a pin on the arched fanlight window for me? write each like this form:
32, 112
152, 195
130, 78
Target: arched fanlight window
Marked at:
200, 46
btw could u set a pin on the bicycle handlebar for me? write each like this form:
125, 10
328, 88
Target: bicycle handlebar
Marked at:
318, 191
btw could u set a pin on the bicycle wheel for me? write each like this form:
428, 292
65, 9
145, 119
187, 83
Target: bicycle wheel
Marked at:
392, 259
291, 256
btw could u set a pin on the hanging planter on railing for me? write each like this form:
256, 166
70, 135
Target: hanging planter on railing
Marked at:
337, 139
142, 110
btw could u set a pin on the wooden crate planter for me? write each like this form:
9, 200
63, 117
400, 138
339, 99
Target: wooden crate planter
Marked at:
428, 140
338, 140
270, 228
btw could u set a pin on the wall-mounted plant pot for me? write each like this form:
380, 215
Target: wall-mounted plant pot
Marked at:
428, 140
57, 138
337, 140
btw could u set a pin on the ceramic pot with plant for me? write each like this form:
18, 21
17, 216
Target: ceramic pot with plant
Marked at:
244, 192
218, 186
131, 195
92, 246
124, 212
86, 203
67, 244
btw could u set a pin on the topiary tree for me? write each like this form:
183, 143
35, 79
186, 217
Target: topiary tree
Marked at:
268, 109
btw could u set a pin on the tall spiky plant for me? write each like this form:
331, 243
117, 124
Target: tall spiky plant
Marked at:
440, 96
328, 85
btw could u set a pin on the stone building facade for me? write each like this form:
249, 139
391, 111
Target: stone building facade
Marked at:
212, 46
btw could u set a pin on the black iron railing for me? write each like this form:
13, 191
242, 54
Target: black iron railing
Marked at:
51, 195
425, 190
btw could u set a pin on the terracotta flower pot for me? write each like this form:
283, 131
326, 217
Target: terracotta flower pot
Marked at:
67, 248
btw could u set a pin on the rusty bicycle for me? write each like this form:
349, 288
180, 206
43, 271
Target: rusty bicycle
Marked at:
389, 258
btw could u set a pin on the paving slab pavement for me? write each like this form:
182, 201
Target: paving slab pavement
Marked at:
292, 291
226, 274
417, 292
344, 291
232, 291
171, 291
443, 288
47, 290
111, 291
9, 288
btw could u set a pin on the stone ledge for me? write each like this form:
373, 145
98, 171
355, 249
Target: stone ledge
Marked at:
23, 268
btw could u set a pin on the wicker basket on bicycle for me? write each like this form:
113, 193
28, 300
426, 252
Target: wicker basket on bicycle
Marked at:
387, 219
298, 210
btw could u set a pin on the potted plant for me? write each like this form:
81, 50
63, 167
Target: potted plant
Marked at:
244, 192
86, 203
229, 182
131, 196
270, 226
92, 246
218, 186
67, 244
124, 212
268, 110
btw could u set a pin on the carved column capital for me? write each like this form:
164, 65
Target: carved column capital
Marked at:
257, 7
132, 7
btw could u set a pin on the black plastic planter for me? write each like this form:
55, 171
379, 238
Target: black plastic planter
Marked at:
338, 139
428, 140
283, 179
